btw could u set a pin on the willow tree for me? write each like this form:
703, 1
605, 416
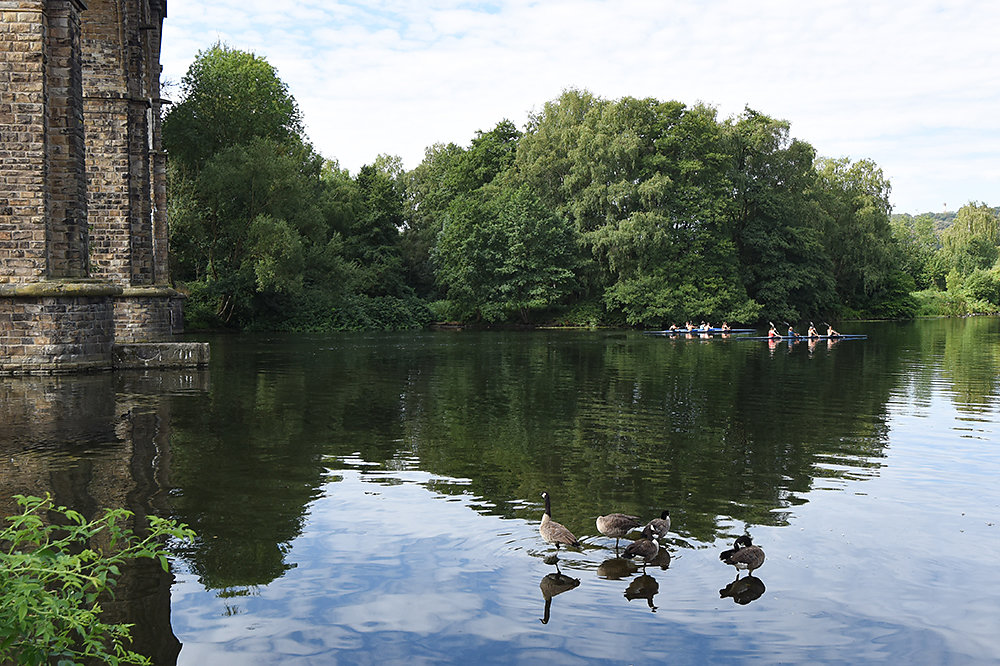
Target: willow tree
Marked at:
972, 240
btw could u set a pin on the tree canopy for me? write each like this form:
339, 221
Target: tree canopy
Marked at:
634, 211
265, 233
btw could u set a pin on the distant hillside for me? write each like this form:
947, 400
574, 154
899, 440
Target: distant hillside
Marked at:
941, 220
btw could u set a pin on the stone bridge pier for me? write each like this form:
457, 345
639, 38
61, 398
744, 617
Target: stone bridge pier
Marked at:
84, 279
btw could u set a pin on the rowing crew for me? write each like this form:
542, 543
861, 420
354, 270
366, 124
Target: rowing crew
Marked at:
691, 328
812, 332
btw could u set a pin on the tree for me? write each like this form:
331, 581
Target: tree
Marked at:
504, 254
373, 238
774, 221
252, 211
229, 97
544, 159
449, 171
918, 244
858, 237
265, 233
971, 242
656, 178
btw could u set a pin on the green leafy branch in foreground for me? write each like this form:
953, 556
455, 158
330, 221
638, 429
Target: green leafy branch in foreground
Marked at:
53, 576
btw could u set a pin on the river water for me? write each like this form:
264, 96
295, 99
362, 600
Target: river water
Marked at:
375, 498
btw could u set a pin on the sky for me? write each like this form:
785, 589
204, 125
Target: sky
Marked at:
913, 86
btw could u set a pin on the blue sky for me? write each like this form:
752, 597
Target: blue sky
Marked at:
914, 86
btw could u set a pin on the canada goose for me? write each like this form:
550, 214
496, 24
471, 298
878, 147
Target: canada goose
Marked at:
744, 555
552, 531
617, 525
660, 526
646, 547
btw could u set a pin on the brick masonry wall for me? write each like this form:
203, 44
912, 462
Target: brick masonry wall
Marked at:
108, 184
66, 217
22, 141
147, 318
115, 177
47, 334
83, 228
121, 46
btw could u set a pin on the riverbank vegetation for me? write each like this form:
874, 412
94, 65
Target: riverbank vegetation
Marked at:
58, 569
635, 212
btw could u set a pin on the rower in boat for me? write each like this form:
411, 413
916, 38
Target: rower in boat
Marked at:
705, 326
812, 332
830, 332
725, 326
772, 332
673, 327
689, 326
792, 333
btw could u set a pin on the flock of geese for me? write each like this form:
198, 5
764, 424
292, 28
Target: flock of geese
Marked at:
744, 555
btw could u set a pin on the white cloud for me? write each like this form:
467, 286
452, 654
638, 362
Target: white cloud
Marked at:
916, 87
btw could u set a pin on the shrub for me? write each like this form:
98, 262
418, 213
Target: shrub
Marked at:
53, 576
983, 285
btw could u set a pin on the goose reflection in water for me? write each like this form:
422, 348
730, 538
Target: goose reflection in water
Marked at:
616, 568
553, 584
743, 590
643, 587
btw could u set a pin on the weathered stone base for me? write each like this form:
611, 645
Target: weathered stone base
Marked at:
58, 327
49, 327
161, 355
148, 314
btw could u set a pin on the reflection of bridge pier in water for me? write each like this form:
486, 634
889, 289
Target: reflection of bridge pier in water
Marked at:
94, 442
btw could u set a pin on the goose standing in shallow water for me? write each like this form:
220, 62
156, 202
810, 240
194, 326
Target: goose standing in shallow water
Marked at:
744, 555
552, 531
617, 525
646, 547
660, 526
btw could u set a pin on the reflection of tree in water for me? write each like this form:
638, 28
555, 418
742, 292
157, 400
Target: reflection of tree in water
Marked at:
971, 367
95, 442
630, 424
243, 470
606, 422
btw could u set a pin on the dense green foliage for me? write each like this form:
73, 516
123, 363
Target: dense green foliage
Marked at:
677, 215
53, 576
956, 267
632, 211
266, 234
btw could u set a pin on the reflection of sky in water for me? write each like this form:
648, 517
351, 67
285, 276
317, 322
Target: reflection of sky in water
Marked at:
890, 566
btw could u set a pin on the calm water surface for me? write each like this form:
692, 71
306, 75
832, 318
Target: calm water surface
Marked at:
375, 498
